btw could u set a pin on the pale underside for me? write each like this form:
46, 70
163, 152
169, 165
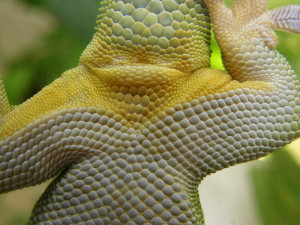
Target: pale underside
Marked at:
142, 120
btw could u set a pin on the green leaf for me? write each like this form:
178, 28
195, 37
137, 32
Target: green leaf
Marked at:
277, 188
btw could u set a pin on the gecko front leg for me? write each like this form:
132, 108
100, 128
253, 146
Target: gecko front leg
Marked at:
247, 40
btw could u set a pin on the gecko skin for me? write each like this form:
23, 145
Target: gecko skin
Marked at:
134, 129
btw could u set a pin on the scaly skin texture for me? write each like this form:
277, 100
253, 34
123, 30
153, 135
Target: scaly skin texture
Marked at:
142, 120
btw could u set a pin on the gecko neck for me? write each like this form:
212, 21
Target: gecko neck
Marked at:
156, 34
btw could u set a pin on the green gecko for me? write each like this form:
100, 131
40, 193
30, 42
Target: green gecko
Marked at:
135, 128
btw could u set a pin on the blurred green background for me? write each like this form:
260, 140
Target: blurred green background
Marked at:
40, 39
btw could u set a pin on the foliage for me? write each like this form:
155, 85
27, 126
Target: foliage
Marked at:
277, 187
60, 50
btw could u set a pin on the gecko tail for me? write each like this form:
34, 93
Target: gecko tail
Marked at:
286, 18
4, 104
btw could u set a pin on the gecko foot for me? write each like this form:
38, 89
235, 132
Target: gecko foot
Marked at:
246, 19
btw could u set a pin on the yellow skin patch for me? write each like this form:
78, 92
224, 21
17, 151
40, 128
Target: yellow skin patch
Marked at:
152, 88
135, 128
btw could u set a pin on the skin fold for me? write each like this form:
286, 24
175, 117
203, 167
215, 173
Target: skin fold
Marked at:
132, 131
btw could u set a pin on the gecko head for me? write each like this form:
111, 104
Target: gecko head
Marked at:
164, 33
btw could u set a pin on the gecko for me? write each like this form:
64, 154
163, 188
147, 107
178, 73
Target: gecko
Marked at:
130, 133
